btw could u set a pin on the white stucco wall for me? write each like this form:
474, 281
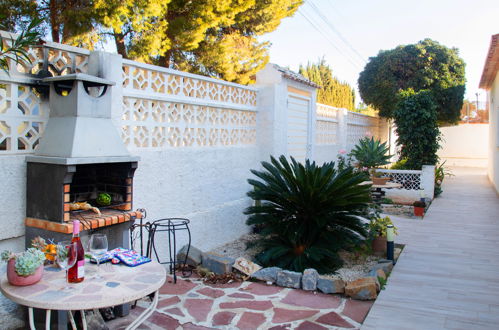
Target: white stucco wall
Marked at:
465, 145
493, 150
207, 186
13, 200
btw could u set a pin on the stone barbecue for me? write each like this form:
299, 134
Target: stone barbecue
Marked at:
80, 155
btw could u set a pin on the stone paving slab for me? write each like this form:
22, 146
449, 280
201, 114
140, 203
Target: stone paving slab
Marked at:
192, 304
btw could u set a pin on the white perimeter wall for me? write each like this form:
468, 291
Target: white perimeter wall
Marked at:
465, 145
493, 147
209, 188
197, 138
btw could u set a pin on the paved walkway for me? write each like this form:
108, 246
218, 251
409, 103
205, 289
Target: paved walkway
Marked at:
193, 305
448, 274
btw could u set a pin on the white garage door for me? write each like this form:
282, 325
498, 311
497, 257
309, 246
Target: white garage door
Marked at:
298, 126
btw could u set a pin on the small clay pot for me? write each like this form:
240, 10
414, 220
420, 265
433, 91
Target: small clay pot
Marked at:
19, 280
418, 211
379, 245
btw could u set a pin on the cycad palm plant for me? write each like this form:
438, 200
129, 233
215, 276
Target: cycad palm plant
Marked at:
307, 213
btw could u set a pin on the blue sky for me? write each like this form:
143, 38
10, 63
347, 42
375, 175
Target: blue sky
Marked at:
364, 27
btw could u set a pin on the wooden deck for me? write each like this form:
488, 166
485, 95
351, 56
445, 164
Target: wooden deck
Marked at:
448, 274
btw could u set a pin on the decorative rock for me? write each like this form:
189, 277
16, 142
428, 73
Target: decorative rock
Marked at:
194, 258
329, 285
288, 279
217, 263
268, 274
309, 279
377, 273
245, 266
362, 289
385, 265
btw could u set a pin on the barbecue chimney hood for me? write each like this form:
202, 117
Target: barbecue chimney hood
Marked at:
80, 129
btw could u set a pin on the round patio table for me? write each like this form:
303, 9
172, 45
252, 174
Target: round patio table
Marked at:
377, 192
120, 284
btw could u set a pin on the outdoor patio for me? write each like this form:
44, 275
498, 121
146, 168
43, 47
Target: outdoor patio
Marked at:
191, 304
446, 278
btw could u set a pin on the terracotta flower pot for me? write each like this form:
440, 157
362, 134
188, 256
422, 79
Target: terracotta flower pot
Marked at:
418, 211
19, 280
379, 245
380, 181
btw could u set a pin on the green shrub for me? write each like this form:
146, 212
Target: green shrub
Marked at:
401, 164
371, 153
440, 173
417, 128
307, 213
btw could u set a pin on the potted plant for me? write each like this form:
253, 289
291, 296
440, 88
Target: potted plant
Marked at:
371, 153
377, 178
419, 207
24, 268
377, 234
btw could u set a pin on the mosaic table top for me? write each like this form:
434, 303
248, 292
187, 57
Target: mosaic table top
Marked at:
120, 284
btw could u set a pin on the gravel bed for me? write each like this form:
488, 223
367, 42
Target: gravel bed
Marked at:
354, 266
237, 248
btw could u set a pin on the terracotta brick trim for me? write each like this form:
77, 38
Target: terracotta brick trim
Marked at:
67, 228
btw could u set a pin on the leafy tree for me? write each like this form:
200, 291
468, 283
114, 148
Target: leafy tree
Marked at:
307, 213
210, 37
417, 128
332, 91
219, 38
137, 27
426, 65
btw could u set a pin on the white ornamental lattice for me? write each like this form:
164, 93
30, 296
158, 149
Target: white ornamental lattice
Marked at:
327, 111
409, 181
326, 132
185, 85
160, 124
58, 62
22, 118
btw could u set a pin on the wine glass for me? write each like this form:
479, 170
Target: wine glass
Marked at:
97, 246
66, 255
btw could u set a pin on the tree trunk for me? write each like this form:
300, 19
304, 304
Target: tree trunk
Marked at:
54, 25
119, 40
165, 60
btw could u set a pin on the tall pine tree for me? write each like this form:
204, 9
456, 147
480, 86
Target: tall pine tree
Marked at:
333, 92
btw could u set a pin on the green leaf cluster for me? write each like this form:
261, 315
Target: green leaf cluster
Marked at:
218, 38
306, 213
417, 128
332, 92
426, 65
370, 153
16, 48
28, 261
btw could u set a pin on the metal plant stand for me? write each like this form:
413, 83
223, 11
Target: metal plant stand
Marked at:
170, 226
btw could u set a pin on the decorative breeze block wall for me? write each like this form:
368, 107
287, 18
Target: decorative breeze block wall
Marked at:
23, 113
166, 108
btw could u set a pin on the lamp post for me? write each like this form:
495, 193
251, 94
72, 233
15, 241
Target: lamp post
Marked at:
390, 235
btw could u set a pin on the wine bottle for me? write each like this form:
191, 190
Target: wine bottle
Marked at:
76, 274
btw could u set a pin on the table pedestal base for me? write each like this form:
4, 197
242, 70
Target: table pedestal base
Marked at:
138, 321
